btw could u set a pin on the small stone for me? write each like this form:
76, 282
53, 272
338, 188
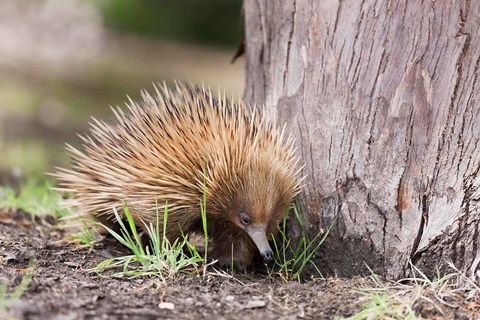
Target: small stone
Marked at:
73, 264
166, 305
253, 304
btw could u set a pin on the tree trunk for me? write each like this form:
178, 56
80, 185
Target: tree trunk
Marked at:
383, 99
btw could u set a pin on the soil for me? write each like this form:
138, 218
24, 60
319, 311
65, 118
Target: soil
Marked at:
62, 286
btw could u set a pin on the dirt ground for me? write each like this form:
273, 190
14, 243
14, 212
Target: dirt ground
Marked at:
63, 288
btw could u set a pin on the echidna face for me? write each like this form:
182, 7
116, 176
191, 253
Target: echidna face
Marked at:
261, 205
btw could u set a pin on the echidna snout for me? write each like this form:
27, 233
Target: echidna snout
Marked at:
258, 235
258, 232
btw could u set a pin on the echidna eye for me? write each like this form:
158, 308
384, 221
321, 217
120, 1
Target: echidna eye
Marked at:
245, 219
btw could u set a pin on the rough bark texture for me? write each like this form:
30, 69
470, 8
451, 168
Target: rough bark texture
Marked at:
383, 97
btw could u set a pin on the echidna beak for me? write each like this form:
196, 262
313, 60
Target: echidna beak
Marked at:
259, 237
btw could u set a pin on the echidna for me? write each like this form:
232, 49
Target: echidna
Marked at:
165, 149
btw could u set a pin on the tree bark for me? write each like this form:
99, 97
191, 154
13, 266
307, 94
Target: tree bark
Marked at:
383, 99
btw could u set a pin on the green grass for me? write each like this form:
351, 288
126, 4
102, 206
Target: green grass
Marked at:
290, 259
87, 236
383, 307
159, 258
401, 299
35, 197
6, 299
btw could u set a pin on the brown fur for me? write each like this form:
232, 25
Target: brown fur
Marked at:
160, 152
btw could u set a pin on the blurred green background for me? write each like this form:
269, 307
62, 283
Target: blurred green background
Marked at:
63, 61
214, 22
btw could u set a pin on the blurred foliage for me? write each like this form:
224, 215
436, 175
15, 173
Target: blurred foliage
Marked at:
30, 156
35, 196
207, 21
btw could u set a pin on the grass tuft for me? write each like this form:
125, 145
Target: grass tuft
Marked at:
383, 307
291, 259
88, 236
160, 258
405, 298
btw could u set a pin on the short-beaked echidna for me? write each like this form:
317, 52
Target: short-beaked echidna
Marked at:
169, 148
